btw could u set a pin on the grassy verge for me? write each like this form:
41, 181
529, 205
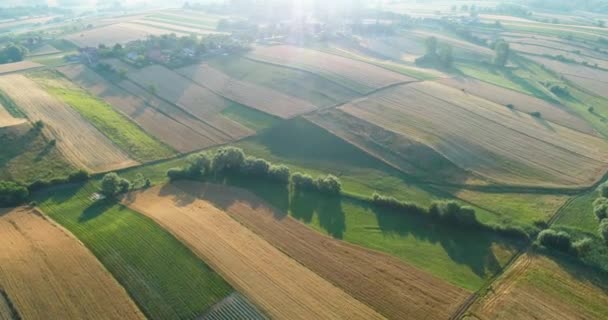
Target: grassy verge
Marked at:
120, 129
10, 106
163, 276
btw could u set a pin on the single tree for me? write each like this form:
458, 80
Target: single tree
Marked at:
112, 184
502, 52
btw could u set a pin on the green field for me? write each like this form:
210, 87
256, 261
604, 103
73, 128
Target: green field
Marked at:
251, 118
463, 257
116, 126
307, 86
165, 279
26, 156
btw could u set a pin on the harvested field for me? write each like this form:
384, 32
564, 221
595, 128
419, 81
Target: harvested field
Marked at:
18, 66
520, 101
77, 140
389, 286
7, 120
539, 287
175, 27
162, 124
586, 78
551, 52
356, 75
192, 98
295, 83
48, 274
6, 310
282, 287
260, 98
399, 151
488, 139
122, 33
395, 47
234, 306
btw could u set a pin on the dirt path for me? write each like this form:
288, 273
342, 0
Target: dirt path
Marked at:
282, 287
49, 274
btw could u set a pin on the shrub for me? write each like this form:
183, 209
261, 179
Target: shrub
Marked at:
603, 190
302, 181
329, 184
452, 211
112, 184
558, 240
255, 167
510, 106
198, 164
536, 114
603, 230
12, 194
78, 176
279, 173
582, 246
560, 90
175, 174
601, 210
228, 159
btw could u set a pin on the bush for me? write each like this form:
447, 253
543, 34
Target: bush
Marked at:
582, 246
558, 240
198, 164
510, 106
279, 173
536, 114
603, 190
452, 211
393, 203
228, 159
559, 90
112, 185
175, 174
603, 230
601, 211
78, 176
12, 194
329, 184
302, 181
255, 167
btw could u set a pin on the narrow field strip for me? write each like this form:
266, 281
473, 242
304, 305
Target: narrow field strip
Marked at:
114, 125
79, 141
257, 97
48, 274
166, 129
279, 285
7, 119
18, 66
234, 306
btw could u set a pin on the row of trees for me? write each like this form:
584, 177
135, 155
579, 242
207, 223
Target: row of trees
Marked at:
12, 53
600, 208
12, 194
436, 54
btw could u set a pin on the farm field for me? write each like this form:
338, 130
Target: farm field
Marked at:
162, 123
18, 66
394, 289
110, 35
414, 109
320, 152
192, 98
355, 75
79, 142
540, 287
520, 101
174, 27
164, 278
120, 129
551, 53
234, 306
296, 83
26, 156
44, 50
42, 266
202, 20
279, 285
257, 97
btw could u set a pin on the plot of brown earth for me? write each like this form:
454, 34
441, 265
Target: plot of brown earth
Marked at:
389, 286
18, 66
200, 102
48, 274
163, 123
357, 75
538, 287
261, 98
520, 101
80, 142
282, 287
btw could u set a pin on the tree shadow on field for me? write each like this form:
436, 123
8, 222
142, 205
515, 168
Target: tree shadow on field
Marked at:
466, 246
96, 209
180, 199
304, 205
